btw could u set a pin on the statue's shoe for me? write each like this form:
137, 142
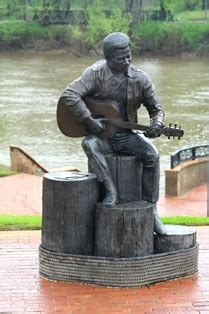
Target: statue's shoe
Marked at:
111, 199
159, 227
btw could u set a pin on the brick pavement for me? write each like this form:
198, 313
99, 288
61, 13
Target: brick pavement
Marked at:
22, 194
23, 291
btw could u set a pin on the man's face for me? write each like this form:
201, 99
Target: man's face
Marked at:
120, 60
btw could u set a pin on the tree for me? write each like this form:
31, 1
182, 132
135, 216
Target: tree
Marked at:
134, 7
99, 25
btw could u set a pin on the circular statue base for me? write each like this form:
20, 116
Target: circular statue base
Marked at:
86, 243
118, 272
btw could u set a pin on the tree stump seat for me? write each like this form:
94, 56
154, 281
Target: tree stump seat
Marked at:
125, 230
126, 173
68, 212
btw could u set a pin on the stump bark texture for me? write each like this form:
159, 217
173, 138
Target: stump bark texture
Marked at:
126, 174
177, 238
68, 212
125, 230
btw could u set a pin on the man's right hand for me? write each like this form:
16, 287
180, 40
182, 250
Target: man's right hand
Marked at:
95, 126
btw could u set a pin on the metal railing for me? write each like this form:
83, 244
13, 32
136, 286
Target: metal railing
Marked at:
189, 153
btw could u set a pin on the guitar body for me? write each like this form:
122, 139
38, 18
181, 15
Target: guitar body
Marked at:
69, 126
109, 110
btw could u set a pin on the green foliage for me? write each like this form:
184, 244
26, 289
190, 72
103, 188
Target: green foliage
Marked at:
63, 34
20, 34
14, 222
186, 220
174, 6
173, 38
165, 38
99, 25
197, 15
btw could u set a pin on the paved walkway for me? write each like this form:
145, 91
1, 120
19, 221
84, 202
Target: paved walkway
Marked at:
22, 194
22, 290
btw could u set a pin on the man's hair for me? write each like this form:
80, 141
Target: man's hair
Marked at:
115, 41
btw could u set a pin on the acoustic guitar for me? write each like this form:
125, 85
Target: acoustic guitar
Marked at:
108, 111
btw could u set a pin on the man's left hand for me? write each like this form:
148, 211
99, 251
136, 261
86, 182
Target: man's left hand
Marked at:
154, 131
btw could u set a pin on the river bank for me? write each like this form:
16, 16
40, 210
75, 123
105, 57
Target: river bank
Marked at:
153, 38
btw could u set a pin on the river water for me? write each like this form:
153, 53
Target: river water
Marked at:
31, 83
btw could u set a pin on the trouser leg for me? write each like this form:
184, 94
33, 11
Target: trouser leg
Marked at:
150, 181
96, 148
150, 177
145, 151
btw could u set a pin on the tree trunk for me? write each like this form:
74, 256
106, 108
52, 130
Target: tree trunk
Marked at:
135, 7
69, 201
126, 230
126, 174
177, 238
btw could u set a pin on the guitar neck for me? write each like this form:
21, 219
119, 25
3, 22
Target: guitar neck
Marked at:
127, 125
167, 131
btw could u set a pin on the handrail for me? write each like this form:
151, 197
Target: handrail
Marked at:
189, 153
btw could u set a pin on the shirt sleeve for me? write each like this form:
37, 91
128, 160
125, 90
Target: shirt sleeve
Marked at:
151, 102
76, 91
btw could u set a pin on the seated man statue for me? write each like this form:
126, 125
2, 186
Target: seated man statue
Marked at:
117, 79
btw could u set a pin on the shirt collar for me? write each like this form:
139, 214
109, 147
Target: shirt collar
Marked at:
108, 74
131, 73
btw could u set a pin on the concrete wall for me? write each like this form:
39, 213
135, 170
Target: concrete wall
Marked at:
23, 162
186, 176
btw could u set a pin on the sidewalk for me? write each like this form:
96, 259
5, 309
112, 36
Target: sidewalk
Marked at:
21, 194
22, 290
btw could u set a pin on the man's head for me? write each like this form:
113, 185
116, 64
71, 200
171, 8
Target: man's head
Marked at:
116, 49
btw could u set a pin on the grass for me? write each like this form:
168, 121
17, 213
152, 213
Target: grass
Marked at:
6, 171
19, 222
23, 222
186, 220
197, 15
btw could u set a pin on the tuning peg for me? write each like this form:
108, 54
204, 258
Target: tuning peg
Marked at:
170, 125
179, 129
175, 125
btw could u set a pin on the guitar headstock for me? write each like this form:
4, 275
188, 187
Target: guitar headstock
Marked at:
173, 131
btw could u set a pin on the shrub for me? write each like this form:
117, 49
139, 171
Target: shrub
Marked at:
21, 34
173, 38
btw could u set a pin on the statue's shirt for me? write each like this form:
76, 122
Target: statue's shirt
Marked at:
130, 91
118, 92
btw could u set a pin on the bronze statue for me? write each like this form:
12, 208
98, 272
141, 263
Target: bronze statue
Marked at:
117, 79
